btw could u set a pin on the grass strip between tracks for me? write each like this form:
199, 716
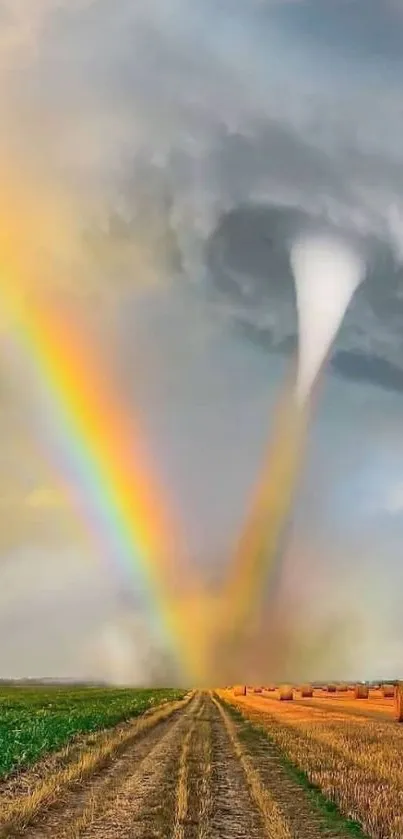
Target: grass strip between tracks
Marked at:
271, 814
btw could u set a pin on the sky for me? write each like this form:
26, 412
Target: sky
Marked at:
157, 159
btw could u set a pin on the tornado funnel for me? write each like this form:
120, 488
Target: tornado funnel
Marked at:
327, 272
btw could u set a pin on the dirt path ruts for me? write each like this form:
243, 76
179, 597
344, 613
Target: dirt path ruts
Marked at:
234, 813
142, 802
191, 785
136, 790
194, 775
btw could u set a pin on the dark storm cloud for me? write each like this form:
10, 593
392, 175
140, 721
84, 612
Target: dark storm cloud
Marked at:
145, 123
368, 368
248, 257
346, 27
209, 105
278, 152
352, 365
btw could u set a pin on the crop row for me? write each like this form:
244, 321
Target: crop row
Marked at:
36, 721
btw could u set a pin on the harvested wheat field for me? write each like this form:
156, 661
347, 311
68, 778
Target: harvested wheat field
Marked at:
352, 750
376, 706
186, 766
220, 764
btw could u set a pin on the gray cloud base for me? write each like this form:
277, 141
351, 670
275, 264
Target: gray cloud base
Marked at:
151, 122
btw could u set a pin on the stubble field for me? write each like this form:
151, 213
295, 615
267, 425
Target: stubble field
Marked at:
97, 764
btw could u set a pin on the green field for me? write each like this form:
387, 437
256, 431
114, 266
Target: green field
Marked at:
36, 720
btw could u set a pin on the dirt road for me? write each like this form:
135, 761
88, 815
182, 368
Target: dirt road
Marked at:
197, 773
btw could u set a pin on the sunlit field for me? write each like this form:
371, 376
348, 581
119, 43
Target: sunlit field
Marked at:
281, 761
351, 749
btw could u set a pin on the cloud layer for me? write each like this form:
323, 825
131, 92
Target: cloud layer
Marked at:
154, 158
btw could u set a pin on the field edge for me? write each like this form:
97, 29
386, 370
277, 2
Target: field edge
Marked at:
330, 813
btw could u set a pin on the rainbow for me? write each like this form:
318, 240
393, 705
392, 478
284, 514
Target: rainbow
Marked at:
256, 553
97, 451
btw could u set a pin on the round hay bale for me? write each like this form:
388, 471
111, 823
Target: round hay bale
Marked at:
285, 693
331, 688
240, 690
341, 688
257, 690
399, 702
270, 688
306, 691
361, 692
388, 691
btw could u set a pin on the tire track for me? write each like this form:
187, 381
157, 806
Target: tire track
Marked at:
274, 824
144, 802
183, 787
234, 814
193, 790
196, 774
80, 807
204, 789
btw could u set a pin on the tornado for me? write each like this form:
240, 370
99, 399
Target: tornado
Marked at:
327, 273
